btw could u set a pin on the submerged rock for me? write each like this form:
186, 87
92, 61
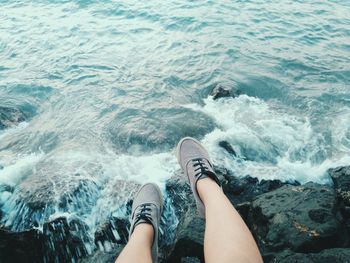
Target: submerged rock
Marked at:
223, 91
10, 116
227, 146
159, 129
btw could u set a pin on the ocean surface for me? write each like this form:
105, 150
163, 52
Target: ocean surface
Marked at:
109, 87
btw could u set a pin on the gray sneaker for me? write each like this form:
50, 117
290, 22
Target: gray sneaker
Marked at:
147, 208
195, 163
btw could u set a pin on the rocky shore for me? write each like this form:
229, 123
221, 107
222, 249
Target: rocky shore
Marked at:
290, 222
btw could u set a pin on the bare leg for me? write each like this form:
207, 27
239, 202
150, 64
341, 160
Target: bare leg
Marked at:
227, 238
138, 249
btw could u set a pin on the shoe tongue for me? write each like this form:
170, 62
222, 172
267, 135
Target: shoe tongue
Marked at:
209, 173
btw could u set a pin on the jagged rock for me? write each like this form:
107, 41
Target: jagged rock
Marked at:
10, 116
104, 256
20, 247
245, 189
190, 229
65, 241
115, 230
301, 218
341, 180
190, 260
222, 91
290, 221
334, 255
227, 146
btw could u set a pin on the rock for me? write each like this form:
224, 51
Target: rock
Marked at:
65, 241
104, 256
305, 214
10, 116
245, 189
115, 230
23, 246
222, 91
341, 180
190, 260
190, 228
334, 255
227, 146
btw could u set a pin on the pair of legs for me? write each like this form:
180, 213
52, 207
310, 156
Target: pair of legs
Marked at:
227, 238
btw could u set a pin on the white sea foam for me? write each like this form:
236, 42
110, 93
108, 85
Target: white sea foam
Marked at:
271, 144
15, 172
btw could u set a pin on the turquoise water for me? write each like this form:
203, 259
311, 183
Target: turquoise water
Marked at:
109, 87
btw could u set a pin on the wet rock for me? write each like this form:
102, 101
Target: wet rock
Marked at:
190, 260
65, 241
37, 196
190, 228
305, 214
223, 91
341, 180
227, 146
104, 256
23, 246
6, 188
245, 189
10, 116
334, 255
115, 230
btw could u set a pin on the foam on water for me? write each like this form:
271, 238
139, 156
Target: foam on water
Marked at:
14, 173
272, 144
103, 84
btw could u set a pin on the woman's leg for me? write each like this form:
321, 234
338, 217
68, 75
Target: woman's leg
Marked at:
227, 238
138, 249
146, 210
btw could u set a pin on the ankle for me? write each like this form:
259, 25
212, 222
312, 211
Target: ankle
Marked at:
206, 188
144, 231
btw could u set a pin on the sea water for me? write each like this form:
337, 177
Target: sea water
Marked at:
109, 87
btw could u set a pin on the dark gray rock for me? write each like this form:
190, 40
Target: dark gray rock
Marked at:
64, 241
291, 223
190, 260
10, 117
245, 189
341, 180
104, 256
227, 146
20, 247
115, 230
300, 218
190, 229
222, 91
334, 255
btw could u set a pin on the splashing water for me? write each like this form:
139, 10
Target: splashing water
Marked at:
107, 89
